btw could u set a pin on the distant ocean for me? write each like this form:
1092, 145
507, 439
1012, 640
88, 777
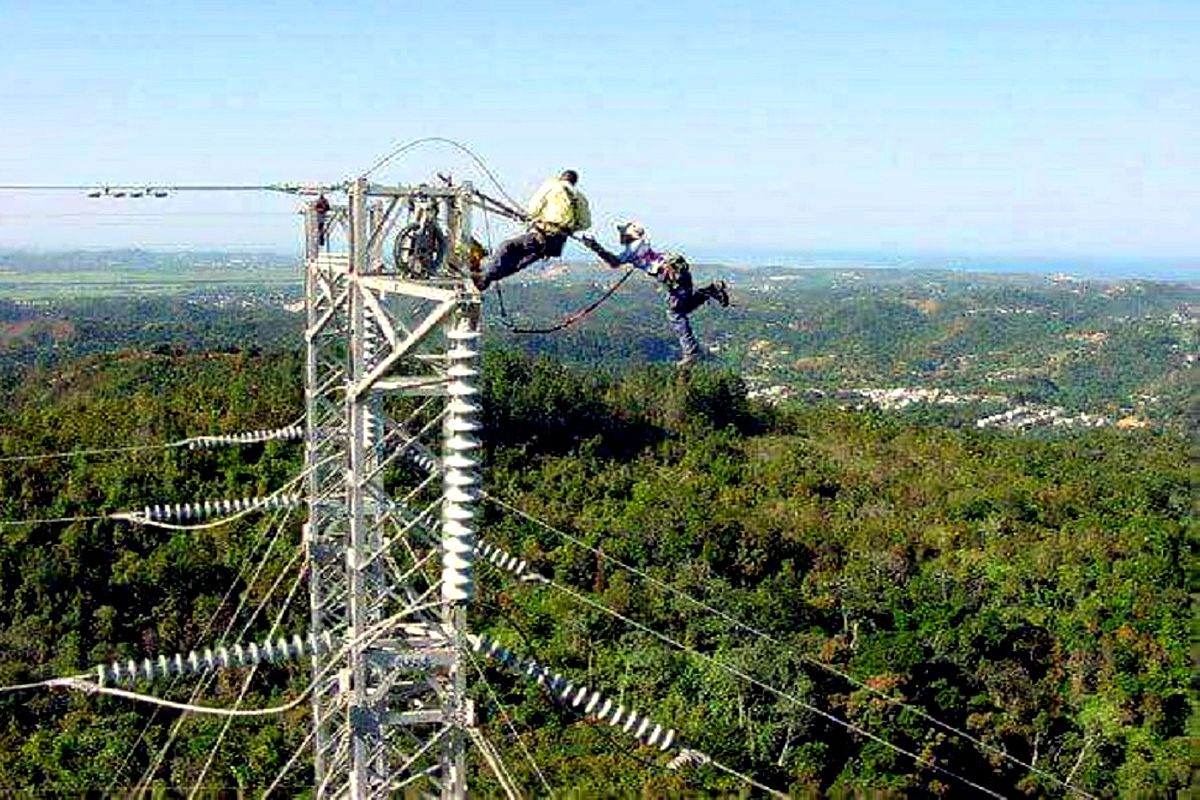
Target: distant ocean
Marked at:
1173, 270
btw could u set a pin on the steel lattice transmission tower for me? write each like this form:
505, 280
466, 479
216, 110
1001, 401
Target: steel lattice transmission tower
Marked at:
393, 480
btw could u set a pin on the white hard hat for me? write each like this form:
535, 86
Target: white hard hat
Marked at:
631, 230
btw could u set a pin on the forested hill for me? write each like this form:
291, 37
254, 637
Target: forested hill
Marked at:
1007, 602
1011, 610
1017, 351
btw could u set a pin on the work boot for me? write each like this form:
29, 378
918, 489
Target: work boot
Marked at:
722, 293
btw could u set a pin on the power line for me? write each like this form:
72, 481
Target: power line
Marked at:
773, 690
52, 520
455, 586
507, 562
293, 431
274, 629
49, 683
88, 684
807, 659
405, 147
197, 442
98, 451
291, 762
138, 518
105, 188
249, 583
144, 215
94, 688
509, 723
148, 774
593, 703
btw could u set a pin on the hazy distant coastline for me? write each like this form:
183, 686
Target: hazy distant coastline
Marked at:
1116, 268
1183, 269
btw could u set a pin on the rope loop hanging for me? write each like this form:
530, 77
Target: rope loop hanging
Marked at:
569, 319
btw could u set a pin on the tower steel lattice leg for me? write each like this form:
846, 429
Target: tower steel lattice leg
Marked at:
325, 532
390, 708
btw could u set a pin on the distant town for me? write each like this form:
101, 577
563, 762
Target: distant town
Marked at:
1011, 350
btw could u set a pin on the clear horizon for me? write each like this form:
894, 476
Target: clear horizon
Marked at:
1157, 268
1060, 129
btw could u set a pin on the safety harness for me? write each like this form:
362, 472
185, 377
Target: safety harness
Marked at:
504, 209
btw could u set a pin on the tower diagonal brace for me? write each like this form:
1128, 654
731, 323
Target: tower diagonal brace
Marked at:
383, 337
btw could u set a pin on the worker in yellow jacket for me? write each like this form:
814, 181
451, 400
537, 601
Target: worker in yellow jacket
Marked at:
556, 210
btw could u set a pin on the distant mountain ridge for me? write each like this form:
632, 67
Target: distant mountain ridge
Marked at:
1064, 347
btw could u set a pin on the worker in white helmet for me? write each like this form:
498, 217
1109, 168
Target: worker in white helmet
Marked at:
669, 269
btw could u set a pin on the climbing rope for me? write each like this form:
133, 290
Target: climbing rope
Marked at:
569, 319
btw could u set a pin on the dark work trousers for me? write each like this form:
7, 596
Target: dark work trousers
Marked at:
519, 252
681, 301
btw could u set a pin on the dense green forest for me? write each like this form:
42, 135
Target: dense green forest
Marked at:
987, 601
934, 606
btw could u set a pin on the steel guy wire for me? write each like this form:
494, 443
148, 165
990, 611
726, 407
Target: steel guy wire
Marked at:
806, 658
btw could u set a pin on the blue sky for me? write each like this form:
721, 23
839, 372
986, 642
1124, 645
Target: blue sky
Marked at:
1022, 127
